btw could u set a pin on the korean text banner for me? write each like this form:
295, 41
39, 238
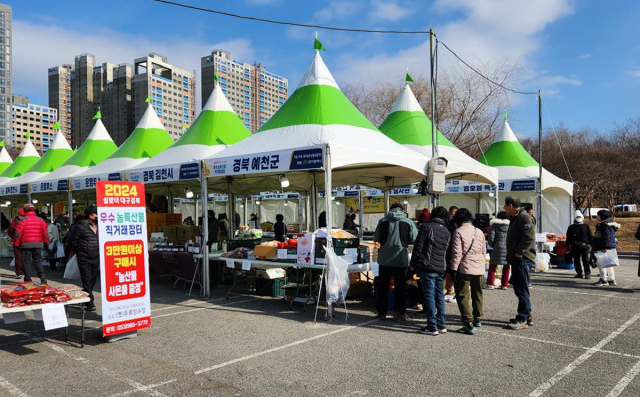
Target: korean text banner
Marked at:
268, 162
122, 231
164, 174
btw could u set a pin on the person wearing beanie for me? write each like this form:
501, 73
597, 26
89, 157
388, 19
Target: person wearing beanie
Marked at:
32, 235
394, 233
424, 216
579, 240
604, 239
498, 242
85, 243
13, 233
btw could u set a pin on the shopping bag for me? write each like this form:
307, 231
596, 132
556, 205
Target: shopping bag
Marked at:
542, 262
72, 272
608, 259
60, 250
13, 263
337, 277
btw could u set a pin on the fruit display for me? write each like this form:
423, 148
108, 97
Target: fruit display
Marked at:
238, 253
266, 226
552, 238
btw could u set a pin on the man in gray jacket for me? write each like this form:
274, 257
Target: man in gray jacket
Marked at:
521, 255
394, 233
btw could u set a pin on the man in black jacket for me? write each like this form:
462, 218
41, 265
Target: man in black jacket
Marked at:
214, 228
429, 259
84, 242
521, 254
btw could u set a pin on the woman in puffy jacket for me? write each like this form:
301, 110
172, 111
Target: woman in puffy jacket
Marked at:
498, 241
605, 239
467, 262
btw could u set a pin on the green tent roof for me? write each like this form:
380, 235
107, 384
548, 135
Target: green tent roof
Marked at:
217, 124
407, 123
96, 148
27, 158
506, 150
317, 100
5, 160
147, 139
58, 153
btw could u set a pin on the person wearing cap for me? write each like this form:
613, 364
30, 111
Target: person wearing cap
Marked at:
604, 239
13, 233
394, 233
579, 239
84, 242
32, 234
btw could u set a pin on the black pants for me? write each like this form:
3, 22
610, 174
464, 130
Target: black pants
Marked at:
32, 257
581, 254
399, 275
89, 274
520, 271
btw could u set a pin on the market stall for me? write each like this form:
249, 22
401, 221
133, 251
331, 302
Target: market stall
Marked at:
5, 159
519, 176
25, 160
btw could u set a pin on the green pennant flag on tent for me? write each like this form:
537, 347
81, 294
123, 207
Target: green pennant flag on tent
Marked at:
317, 45
56, 126
408, 78
148, 100
27, 135
216, 76
505, 114
98, 115
2, 144
184, 128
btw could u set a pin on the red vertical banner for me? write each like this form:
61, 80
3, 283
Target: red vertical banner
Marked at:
122, 228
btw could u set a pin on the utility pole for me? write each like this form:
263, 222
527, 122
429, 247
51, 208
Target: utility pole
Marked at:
539, 187
434, 148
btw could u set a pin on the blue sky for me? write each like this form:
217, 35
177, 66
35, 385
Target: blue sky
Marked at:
584, 56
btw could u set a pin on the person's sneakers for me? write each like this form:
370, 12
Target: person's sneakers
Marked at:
43, 281
19, 276
517, 324
397, 317
428, 331
530, 321
503, 287
90, 307
489, 287
467, 330
442, 331
578, 276
419, 307
450, 298
600, 283
382, 317
422, 312
529, 286
477, 323
587, 276
613, 282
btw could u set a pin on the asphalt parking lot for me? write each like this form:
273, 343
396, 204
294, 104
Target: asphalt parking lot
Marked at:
585, 342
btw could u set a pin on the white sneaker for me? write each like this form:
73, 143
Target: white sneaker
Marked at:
489, 287
449, 298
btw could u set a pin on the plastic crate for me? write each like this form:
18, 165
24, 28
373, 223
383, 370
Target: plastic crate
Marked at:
273, 287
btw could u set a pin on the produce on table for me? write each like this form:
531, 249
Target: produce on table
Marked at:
238, 253
31, 293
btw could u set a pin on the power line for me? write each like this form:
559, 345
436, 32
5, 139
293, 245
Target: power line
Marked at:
304, 25
482, 75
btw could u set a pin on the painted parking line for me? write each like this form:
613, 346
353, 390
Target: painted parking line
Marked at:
288, 345
624, 382
143, 388
8, 386
203, 308
543, 388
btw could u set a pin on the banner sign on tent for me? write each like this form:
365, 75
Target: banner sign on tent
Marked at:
124, 259
62, 185
521, 186
168, 173
90, 182
9, 190
272, 162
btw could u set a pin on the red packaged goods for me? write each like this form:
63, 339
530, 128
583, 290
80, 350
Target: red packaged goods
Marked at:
30, 293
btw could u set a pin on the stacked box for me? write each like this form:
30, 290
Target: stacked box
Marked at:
273, 287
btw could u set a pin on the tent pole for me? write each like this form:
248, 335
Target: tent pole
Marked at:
327, 204
360, 214
300, 211
386, 201
204, 247
314, 203
230, 205
70, 204
246, 209
307, 211
539, 192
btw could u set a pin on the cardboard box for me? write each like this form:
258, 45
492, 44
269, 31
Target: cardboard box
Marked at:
174, 219
186, 233
263, 251
170, 232
271, 274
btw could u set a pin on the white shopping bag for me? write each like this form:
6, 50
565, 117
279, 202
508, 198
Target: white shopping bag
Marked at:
338, 282
72, 272
542, 262
607, 259
59, 250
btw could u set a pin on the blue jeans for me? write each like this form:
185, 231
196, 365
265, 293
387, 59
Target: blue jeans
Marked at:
432, 286
520, 270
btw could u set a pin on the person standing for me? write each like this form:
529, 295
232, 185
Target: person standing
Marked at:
498, 241
449, 295
15, 242
52, 248
213, 228
521, 254
424, 216
467, 265
32, 234
223, 228
604, 239
394, 233
579, 240
429, 259
85, 243
280, 229
322, 220
348, 223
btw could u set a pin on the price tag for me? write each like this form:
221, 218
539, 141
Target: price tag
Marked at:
54, 316
12, 318
541, 237
375, 268
230, 263
282, 254
351, 255
246, 265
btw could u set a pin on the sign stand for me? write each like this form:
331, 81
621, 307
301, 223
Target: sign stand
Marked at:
124, 335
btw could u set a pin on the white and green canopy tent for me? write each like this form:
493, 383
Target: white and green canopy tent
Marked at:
179, 166
519, 176
96, 148
5, 159
408, 125
58, 154
25, 160
147, 140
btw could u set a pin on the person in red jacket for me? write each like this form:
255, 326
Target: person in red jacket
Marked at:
32, 234
13, 233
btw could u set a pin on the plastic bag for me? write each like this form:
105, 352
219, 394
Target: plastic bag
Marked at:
59, 250
337, 277
608, 259
542, 262
13, 263
72, 272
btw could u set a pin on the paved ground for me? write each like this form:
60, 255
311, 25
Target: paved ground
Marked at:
585, 343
